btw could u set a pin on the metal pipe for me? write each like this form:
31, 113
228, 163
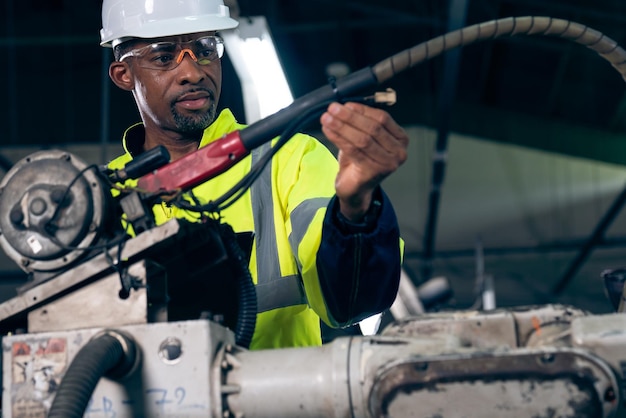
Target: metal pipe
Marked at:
105, 105
10, 41
592, 242
12, 74
500, 251
458, 16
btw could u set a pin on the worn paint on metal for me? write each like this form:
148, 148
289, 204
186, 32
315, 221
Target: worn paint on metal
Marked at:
37, 366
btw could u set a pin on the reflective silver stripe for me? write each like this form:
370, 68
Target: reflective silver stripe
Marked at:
301, 218
280, 293
273, 291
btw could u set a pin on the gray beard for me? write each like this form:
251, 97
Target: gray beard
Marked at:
194, 124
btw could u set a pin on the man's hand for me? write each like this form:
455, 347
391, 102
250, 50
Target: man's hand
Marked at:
371, 146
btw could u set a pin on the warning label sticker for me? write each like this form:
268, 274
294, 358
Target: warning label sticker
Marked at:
36, 370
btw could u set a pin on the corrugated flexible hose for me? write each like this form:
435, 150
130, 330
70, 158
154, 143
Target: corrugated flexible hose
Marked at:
109, 353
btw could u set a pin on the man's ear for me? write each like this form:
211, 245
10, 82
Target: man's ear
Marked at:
121, 75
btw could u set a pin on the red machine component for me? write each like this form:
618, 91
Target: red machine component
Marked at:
196, 167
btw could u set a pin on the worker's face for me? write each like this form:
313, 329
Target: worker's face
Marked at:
177, 90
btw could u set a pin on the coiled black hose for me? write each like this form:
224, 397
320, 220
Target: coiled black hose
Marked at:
109, 354
247, 308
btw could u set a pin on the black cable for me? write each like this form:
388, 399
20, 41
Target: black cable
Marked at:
232, 195
388, 68
247, 299
51, 226
51, 223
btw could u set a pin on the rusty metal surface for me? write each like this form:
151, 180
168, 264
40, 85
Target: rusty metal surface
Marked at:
83, 273
166, 386
519, 383
97, 304
514, 327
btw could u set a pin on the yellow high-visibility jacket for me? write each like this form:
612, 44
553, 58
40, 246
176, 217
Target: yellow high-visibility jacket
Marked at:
304, 265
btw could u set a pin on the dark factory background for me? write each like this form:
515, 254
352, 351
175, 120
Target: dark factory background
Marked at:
533, 128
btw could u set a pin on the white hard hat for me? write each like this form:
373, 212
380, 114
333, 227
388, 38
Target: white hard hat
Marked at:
127, 19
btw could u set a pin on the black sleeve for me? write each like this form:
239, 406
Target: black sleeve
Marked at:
359, 264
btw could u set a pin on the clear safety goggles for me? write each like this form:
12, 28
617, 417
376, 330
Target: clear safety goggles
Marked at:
168, 55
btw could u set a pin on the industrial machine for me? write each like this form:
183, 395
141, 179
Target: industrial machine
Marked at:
105, 327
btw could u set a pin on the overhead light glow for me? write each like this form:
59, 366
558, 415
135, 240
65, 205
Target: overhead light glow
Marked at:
251, 49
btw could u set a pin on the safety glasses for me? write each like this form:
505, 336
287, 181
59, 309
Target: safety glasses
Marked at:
166, 56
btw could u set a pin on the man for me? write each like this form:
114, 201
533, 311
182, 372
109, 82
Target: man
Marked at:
326, 243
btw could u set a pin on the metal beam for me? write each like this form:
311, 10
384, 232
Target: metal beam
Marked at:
12, 81
485, 68
618, 121
456, 20
552, 247
371, 23
19, 41
558, 77
596, 237
592, 12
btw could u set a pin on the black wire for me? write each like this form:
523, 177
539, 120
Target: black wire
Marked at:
51, 226
222, 202
238, 190
57, 211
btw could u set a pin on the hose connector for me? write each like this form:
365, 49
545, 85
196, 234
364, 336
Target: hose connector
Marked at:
128, 359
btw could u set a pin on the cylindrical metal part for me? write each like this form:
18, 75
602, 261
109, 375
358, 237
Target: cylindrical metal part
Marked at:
298, 382
331, 381
438, 372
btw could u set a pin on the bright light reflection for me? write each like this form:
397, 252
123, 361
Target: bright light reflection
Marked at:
267, 76
370, 325
256, 62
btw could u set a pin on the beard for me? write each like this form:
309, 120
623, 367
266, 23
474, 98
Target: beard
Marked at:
194, 124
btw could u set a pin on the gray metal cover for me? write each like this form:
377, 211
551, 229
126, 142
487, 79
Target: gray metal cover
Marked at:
34, 364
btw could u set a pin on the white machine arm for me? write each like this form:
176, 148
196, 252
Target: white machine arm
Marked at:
537, 361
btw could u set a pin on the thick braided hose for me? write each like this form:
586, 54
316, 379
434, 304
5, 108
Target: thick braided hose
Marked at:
511, 26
